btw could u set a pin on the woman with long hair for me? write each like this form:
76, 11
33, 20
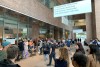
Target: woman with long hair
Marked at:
94, 56
79, 48
63, 60
79, 60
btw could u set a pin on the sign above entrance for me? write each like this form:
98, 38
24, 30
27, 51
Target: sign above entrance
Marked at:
78, 31
73, 8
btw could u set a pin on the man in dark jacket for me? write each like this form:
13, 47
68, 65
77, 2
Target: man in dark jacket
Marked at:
12, 52
52, 54
8, 63
21, 49
46, 51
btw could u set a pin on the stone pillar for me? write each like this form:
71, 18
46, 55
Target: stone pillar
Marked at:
74, 35
70, 35
97, 17
64, 34
35, 30
88, 27
61, 33
52, 31
56, 33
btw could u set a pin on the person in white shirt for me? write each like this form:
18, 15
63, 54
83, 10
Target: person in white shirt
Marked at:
25, 52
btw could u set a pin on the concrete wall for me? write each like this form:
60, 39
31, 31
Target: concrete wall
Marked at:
34, 9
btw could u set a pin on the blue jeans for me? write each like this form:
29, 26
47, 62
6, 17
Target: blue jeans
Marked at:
46, 56
52, 55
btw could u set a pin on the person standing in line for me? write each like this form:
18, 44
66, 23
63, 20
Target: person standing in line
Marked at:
63, 60
75, 40
5, 43
79, 48
46, 51
52, 53
95, 42
98, 44
85, 43
31, 47
12, 52
94, 56
80, 39
79, 60
63, 40
25, 52
40, 46
3, 54
68, 43
91, 42
21, 49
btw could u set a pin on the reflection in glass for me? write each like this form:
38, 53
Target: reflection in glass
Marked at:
1, 30
10, 30
22, 31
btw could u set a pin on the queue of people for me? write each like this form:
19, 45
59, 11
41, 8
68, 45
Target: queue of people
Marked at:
8, 55
47, 47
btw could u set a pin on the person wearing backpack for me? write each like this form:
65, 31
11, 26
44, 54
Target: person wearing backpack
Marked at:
46, 50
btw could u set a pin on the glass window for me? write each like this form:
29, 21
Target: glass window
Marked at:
1, 29
47, 3
23, 30
10, 29
30, 31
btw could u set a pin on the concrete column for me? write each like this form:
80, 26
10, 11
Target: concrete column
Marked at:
35, 30
56, 33
74, 35
70, 35
97, 17
88, 27
61, 33
52, 31
64, 34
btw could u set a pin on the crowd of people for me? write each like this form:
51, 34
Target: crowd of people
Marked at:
9, 53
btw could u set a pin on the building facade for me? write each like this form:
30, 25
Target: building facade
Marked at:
32, 18
29, 19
